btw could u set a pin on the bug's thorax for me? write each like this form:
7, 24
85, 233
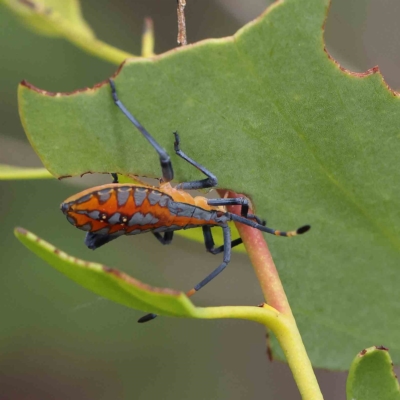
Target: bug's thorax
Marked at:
185, 197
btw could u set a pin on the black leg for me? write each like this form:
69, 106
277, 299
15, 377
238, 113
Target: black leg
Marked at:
146, 318
166, 239
266, 229
239, 201
211, 180
166, 166
95, 240
115, 178
207, 279
227, 257
209, 241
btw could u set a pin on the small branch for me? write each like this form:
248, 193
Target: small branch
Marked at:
88, 42
10, 172
182, 41
264, 267
292, 345
263, 263
285, 328
262, 315
100, 49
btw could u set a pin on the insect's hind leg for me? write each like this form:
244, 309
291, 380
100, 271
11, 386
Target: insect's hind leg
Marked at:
210, 245
166, 239
210, 181
210, 277
165, 162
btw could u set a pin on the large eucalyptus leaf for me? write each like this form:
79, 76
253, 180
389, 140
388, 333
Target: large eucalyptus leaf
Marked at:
274, 117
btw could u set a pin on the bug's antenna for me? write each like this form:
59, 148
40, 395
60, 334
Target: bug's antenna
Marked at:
165, 161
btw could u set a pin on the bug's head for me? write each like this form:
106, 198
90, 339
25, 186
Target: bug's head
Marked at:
65, 207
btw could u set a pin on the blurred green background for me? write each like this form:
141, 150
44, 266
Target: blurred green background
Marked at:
59, 341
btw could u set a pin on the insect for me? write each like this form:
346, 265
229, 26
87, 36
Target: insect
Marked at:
109, 211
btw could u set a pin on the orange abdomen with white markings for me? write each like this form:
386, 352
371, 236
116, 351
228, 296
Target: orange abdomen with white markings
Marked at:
128, 209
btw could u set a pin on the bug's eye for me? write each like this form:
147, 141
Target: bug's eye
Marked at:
124, 219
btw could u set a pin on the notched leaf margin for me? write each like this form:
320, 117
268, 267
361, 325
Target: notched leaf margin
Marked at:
154, 58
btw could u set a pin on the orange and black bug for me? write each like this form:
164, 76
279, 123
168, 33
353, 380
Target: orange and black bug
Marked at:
109, 211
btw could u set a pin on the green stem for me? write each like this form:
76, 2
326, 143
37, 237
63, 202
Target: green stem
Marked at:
296, 355
94, 46
10, 172
262, 315
73, 30
285, 327
264, 267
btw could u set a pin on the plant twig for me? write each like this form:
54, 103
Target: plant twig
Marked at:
182, 41
98, 48
285, 328
264, 266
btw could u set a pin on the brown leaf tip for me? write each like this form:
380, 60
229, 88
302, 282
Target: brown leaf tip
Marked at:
363, 352
148, 25
21, 231
381, 348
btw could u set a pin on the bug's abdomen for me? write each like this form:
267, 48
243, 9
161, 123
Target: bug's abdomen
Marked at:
131, 210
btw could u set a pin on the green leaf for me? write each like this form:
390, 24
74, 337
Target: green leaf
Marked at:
371, 376
123, 289
108, 282
63, 18
274, 117
8, 172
